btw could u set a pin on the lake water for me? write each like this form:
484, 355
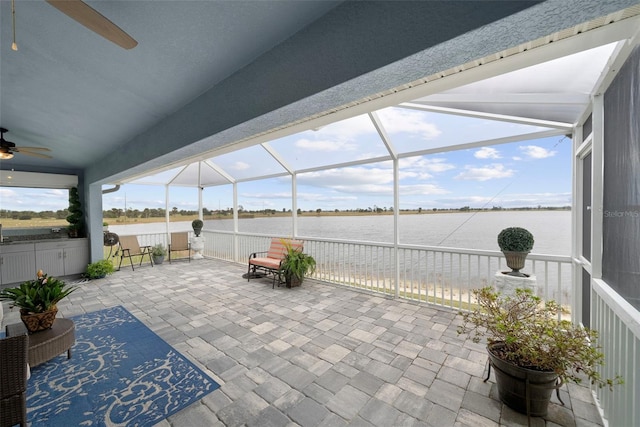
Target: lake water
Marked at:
551, 229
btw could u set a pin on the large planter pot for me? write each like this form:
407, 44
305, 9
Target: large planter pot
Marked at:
515, 261
532, 398
158, 259
38, 321
292, 281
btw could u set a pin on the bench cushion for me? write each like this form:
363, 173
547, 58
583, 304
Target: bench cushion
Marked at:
266, 262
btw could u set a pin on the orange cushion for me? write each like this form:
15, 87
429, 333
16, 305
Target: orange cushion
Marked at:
266, 262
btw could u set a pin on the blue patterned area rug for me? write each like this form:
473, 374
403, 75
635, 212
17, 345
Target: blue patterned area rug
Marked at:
120, 374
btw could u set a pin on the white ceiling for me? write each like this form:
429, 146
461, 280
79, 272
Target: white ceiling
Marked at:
210, 73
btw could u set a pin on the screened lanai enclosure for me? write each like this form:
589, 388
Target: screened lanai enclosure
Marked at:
396, 154
576, 90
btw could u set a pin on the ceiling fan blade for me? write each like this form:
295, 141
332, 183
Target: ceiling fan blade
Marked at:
23, 149
93, 20
30, 153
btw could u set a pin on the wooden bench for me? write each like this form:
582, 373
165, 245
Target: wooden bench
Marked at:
270, 264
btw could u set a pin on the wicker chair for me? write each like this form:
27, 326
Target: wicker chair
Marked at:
180, 243
13, 380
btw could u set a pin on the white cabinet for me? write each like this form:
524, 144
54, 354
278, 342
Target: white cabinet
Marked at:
76, 256
21, 261
50, 261
17, 263
63, 258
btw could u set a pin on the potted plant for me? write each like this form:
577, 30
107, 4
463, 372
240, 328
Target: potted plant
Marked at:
197, 224
295, 265
528, 342
515, 243
99, 269
74, 218
158, 252
37, 300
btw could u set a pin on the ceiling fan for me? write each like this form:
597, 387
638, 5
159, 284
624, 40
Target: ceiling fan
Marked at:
93, 20
8, 148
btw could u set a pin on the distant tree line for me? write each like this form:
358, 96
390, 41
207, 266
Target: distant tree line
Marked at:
160, 213
27, 215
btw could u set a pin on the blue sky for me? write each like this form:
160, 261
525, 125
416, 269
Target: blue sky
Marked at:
518, 174
533, 173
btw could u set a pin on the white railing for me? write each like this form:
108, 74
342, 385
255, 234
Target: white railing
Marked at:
438, 275
618, 324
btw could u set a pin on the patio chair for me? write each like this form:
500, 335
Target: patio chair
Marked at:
180, 243
129, 247
270, 264
13, 380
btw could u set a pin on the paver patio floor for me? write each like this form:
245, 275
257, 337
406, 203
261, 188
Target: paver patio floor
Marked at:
318, 355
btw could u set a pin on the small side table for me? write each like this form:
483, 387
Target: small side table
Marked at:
47, 344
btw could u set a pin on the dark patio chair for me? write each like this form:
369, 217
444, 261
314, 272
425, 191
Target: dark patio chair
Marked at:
180, 243
129, 247
13, 380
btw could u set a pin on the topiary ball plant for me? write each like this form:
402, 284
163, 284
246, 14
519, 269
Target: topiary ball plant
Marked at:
515, 239
515, 243
197, 225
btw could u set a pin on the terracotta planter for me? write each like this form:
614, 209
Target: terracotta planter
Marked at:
38, 321
532, 398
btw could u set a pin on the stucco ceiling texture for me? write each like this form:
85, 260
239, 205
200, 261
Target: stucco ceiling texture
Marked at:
210, 73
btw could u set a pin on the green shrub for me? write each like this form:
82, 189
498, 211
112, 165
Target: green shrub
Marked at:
515, 239
158, 250
99, 269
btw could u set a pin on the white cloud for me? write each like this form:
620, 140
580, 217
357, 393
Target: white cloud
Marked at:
426, 164
485, 173
487, 153
347, 129
266, 196
355, 176
325, 145
421, 190
7, 192
398, 120
240, 166
536, 152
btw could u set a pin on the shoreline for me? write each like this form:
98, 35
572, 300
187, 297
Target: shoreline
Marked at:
8, 223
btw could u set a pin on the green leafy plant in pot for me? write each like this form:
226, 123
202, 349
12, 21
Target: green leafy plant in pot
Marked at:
296, 265
99, 269
158, 252
528, 341
37, 300
515, 243
197, 225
